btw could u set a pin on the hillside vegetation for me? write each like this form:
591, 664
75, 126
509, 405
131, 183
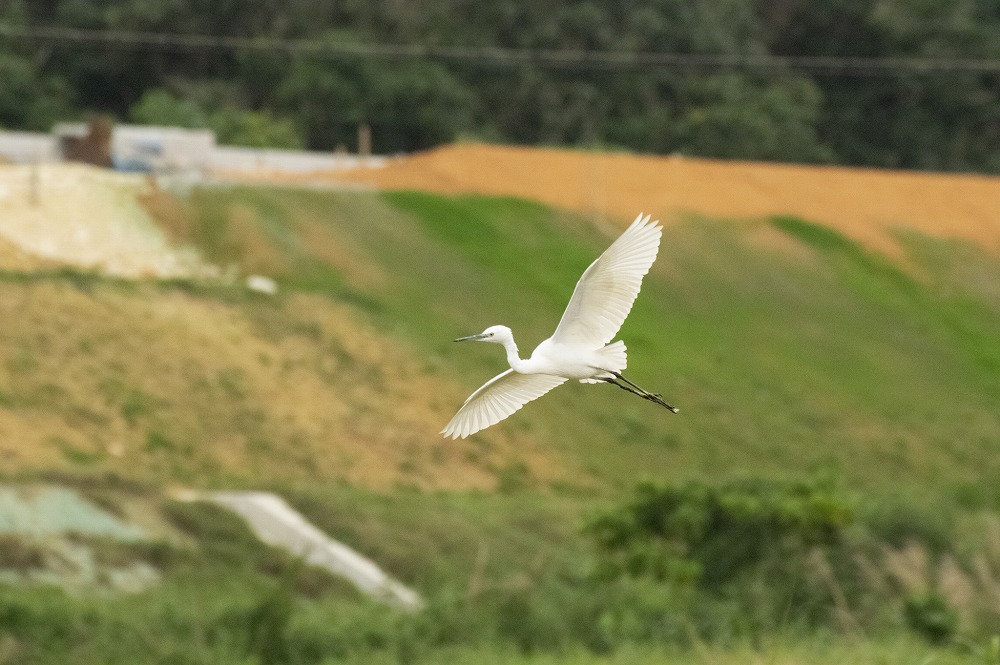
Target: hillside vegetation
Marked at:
841, 404
788, 347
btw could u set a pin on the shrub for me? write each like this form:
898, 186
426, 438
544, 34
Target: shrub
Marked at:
695, 532
931, 616
745, 557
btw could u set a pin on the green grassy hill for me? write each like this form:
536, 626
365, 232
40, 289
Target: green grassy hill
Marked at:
793, 354
788, 347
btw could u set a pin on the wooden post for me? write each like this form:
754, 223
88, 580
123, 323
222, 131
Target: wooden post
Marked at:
33, 182
364, 141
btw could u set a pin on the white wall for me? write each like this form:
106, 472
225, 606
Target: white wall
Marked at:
286, 161
28, 147
172, 148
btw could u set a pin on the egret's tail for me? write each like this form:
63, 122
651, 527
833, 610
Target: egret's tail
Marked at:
613, 358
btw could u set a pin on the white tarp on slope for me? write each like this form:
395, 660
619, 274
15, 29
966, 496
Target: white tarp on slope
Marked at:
278, 524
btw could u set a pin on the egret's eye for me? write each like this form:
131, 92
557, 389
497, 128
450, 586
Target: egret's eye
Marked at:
490, 335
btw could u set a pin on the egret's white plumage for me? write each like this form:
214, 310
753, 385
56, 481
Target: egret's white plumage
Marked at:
579, 347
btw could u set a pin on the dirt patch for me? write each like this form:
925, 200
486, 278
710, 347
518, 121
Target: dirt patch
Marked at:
86, 217
15, 259
862, 203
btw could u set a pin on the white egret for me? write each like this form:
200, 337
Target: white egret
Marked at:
579, 348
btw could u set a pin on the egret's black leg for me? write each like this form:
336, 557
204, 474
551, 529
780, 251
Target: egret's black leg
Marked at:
636, 390
624, 387
621, 377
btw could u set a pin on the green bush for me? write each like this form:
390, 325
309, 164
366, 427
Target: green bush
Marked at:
898, 520
931, 616
708, 535
743, 558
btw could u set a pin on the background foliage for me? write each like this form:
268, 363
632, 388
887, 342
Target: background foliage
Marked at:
925, 120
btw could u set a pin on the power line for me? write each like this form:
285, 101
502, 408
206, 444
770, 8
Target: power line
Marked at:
488, 55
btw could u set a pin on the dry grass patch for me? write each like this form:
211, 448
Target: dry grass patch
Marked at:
173, 387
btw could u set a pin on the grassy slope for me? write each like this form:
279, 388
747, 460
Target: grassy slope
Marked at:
788, 348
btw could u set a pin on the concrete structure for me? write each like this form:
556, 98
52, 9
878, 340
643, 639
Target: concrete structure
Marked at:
232, 158
140, 148
28, 147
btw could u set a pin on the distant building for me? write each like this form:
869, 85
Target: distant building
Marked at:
141, 148
144, 149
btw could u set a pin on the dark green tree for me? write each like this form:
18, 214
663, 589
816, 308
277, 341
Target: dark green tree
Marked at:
911, 119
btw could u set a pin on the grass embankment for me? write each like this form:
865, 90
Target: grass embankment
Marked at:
791, 351
790, 346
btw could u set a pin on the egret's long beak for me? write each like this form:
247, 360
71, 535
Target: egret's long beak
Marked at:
471, 338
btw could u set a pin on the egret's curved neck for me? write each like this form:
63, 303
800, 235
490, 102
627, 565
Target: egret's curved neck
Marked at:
513, 357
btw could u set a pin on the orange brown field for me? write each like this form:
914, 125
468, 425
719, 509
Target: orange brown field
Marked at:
863, 203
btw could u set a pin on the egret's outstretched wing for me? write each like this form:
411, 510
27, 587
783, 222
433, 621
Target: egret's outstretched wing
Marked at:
498, 398
604, 295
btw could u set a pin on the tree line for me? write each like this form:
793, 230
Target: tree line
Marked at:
940, 119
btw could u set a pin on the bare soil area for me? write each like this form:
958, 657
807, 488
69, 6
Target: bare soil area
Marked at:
862, 203
86, 217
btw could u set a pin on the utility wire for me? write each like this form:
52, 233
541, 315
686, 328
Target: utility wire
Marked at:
487, 55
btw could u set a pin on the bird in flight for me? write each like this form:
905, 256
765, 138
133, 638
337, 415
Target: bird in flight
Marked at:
579, 348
